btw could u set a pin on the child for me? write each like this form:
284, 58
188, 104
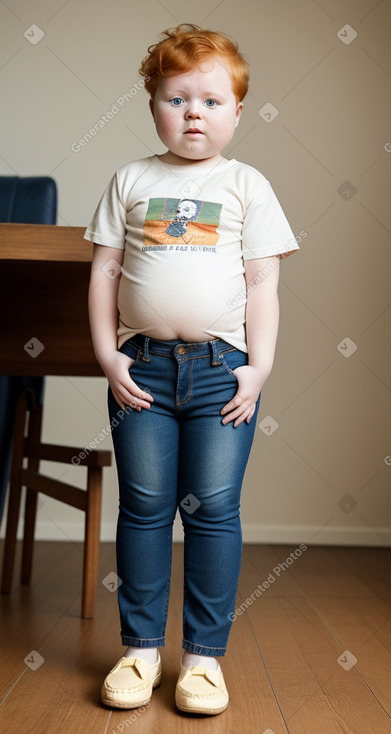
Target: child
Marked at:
184, 318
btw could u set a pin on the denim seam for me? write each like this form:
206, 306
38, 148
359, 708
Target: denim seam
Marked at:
142, 639
209, 647
223, 362
192, 356
167, 591
179, 403
184, 592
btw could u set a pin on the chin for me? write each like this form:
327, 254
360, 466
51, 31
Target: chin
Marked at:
196, 152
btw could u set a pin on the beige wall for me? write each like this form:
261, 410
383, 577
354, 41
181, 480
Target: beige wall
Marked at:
333, 100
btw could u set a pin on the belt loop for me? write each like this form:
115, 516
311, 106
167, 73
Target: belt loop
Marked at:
215, 352
145, 356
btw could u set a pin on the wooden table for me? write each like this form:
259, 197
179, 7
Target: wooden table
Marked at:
44, 277
44, 330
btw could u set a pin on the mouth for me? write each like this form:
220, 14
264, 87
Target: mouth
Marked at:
193, 131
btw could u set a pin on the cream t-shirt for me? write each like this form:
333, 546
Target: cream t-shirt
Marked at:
186, 231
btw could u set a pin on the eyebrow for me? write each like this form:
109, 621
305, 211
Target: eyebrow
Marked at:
207, 94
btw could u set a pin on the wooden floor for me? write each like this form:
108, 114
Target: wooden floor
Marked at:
311, 655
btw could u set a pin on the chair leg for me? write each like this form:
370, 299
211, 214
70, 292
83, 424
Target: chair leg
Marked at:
33, 436
28, 536
15, 492
91, 541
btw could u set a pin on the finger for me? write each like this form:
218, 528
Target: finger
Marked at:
141, 394
119, 401
238, 405
126, 400
234, 414
234, 403
135, 406
136, 397
138, 403
243, 412
245, 416
249, 417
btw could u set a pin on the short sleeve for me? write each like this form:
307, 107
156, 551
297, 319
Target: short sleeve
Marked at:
266, 230
108, 225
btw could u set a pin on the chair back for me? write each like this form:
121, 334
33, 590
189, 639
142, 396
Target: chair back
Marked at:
28, 200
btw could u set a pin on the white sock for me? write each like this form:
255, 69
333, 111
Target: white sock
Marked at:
149, 654
190, 658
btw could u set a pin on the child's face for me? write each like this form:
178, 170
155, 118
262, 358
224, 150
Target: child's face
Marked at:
201, 99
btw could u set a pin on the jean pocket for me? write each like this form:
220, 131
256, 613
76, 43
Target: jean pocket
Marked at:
232, 359
131, 350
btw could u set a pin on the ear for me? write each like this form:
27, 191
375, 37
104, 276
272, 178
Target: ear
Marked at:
151, 107
239, 109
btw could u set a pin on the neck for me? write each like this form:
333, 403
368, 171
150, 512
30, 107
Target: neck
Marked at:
177, 160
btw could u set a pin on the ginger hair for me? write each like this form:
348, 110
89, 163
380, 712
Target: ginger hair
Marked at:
184, 48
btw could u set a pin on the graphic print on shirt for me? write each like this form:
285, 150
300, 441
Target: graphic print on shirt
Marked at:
181, 225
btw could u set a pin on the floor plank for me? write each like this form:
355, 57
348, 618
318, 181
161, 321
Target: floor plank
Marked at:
303, 644
281, 666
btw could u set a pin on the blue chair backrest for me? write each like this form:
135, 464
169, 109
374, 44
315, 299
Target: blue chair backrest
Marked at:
28, 199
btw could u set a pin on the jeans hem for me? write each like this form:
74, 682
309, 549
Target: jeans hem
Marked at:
143, 642
203, 649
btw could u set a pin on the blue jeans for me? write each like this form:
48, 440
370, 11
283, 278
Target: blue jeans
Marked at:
176, 454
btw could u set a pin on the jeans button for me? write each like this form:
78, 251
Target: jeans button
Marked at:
181, 350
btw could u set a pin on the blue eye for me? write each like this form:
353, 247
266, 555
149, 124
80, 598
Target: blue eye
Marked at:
210, 100
177, 101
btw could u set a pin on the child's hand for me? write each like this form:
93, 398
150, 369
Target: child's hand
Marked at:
126, 392
242, 406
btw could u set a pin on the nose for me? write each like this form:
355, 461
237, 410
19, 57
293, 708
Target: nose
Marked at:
193, 110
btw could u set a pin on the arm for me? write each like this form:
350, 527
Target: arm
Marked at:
103, 313
262, 318
262, 312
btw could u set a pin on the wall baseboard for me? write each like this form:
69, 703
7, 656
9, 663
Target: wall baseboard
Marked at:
271, 534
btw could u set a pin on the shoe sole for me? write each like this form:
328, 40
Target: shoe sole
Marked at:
195, 710
124, 705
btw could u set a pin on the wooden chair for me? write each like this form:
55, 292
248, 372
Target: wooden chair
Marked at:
34, 200
89, 500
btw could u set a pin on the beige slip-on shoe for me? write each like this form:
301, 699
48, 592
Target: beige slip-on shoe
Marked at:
130, 683
201, 691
